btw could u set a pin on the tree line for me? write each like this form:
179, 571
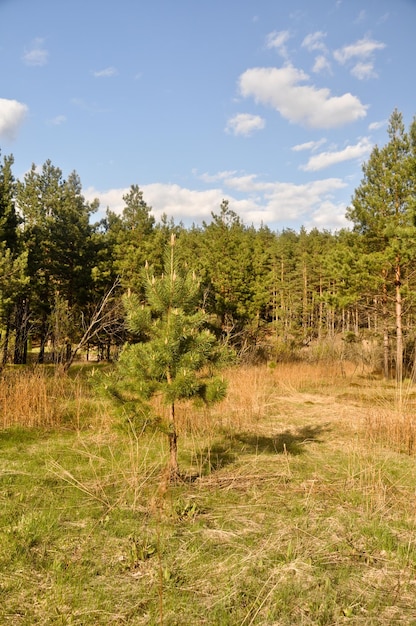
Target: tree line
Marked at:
267, 293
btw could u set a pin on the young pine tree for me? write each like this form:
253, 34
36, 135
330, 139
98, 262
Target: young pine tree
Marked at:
177, 356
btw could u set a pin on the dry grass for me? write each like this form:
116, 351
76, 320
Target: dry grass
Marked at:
295, 509
395, 426
389, 418
36, 397
386, 412
31, 399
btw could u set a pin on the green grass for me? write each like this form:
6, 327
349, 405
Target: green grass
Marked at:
288, 515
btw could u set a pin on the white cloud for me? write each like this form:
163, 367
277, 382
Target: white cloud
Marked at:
281, 89
361, 16
329, 216
12, 115
106, 72
278, 41
290, 201
383, 18
58, 120
313, 41
245, 124
363, 48
326, 159
364, 70
254, 200
173, 200
111, 198
377, 125
90, 107
215, 178
247, 183
182, 203
321, 64
309, 145
262, 202
36, 55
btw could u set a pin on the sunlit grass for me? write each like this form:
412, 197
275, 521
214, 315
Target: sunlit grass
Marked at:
293, 508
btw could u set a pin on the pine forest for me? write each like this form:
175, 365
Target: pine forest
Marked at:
271, 296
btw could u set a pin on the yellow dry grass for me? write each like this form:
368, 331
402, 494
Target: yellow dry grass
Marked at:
257, 400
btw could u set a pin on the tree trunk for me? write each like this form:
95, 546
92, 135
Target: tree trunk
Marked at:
283, 314
21, 324
173, 466
6, 341
399, 329
321, 308
305, 300
386, 345
386, 353
43, 338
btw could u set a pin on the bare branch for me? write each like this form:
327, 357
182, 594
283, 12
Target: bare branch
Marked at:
101, 321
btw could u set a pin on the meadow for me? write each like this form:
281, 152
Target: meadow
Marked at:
296, 507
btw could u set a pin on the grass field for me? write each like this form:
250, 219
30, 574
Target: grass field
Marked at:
297, 505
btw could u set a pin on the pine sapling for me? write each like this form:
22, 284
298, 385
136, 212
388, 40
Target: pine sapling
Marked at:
177, 356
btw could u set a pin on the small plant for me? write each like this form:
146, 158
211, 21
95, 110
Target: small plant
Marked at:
142, 548
177, 355
186, 510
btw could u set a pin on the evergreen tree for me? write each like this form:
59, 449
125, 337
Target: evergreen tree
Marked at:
383, 210
286, 292
227, 259
58, 238
72, 253
13, 261
177, 355
341, 288
133, 234
9, 220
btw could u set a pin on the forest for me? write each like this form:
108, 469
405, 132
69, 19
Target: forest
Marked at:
272, 296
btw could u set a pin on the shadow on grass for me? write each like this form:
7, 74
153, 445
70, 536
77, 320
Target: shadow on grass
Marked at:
233, 445
16, 435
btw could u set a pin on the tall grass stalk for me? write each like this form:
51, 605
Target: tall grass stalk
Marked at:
392, 421
30, 398
36, 398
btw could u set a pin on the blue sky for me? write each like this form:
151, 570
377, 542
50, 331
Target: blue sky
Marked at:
272, 105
